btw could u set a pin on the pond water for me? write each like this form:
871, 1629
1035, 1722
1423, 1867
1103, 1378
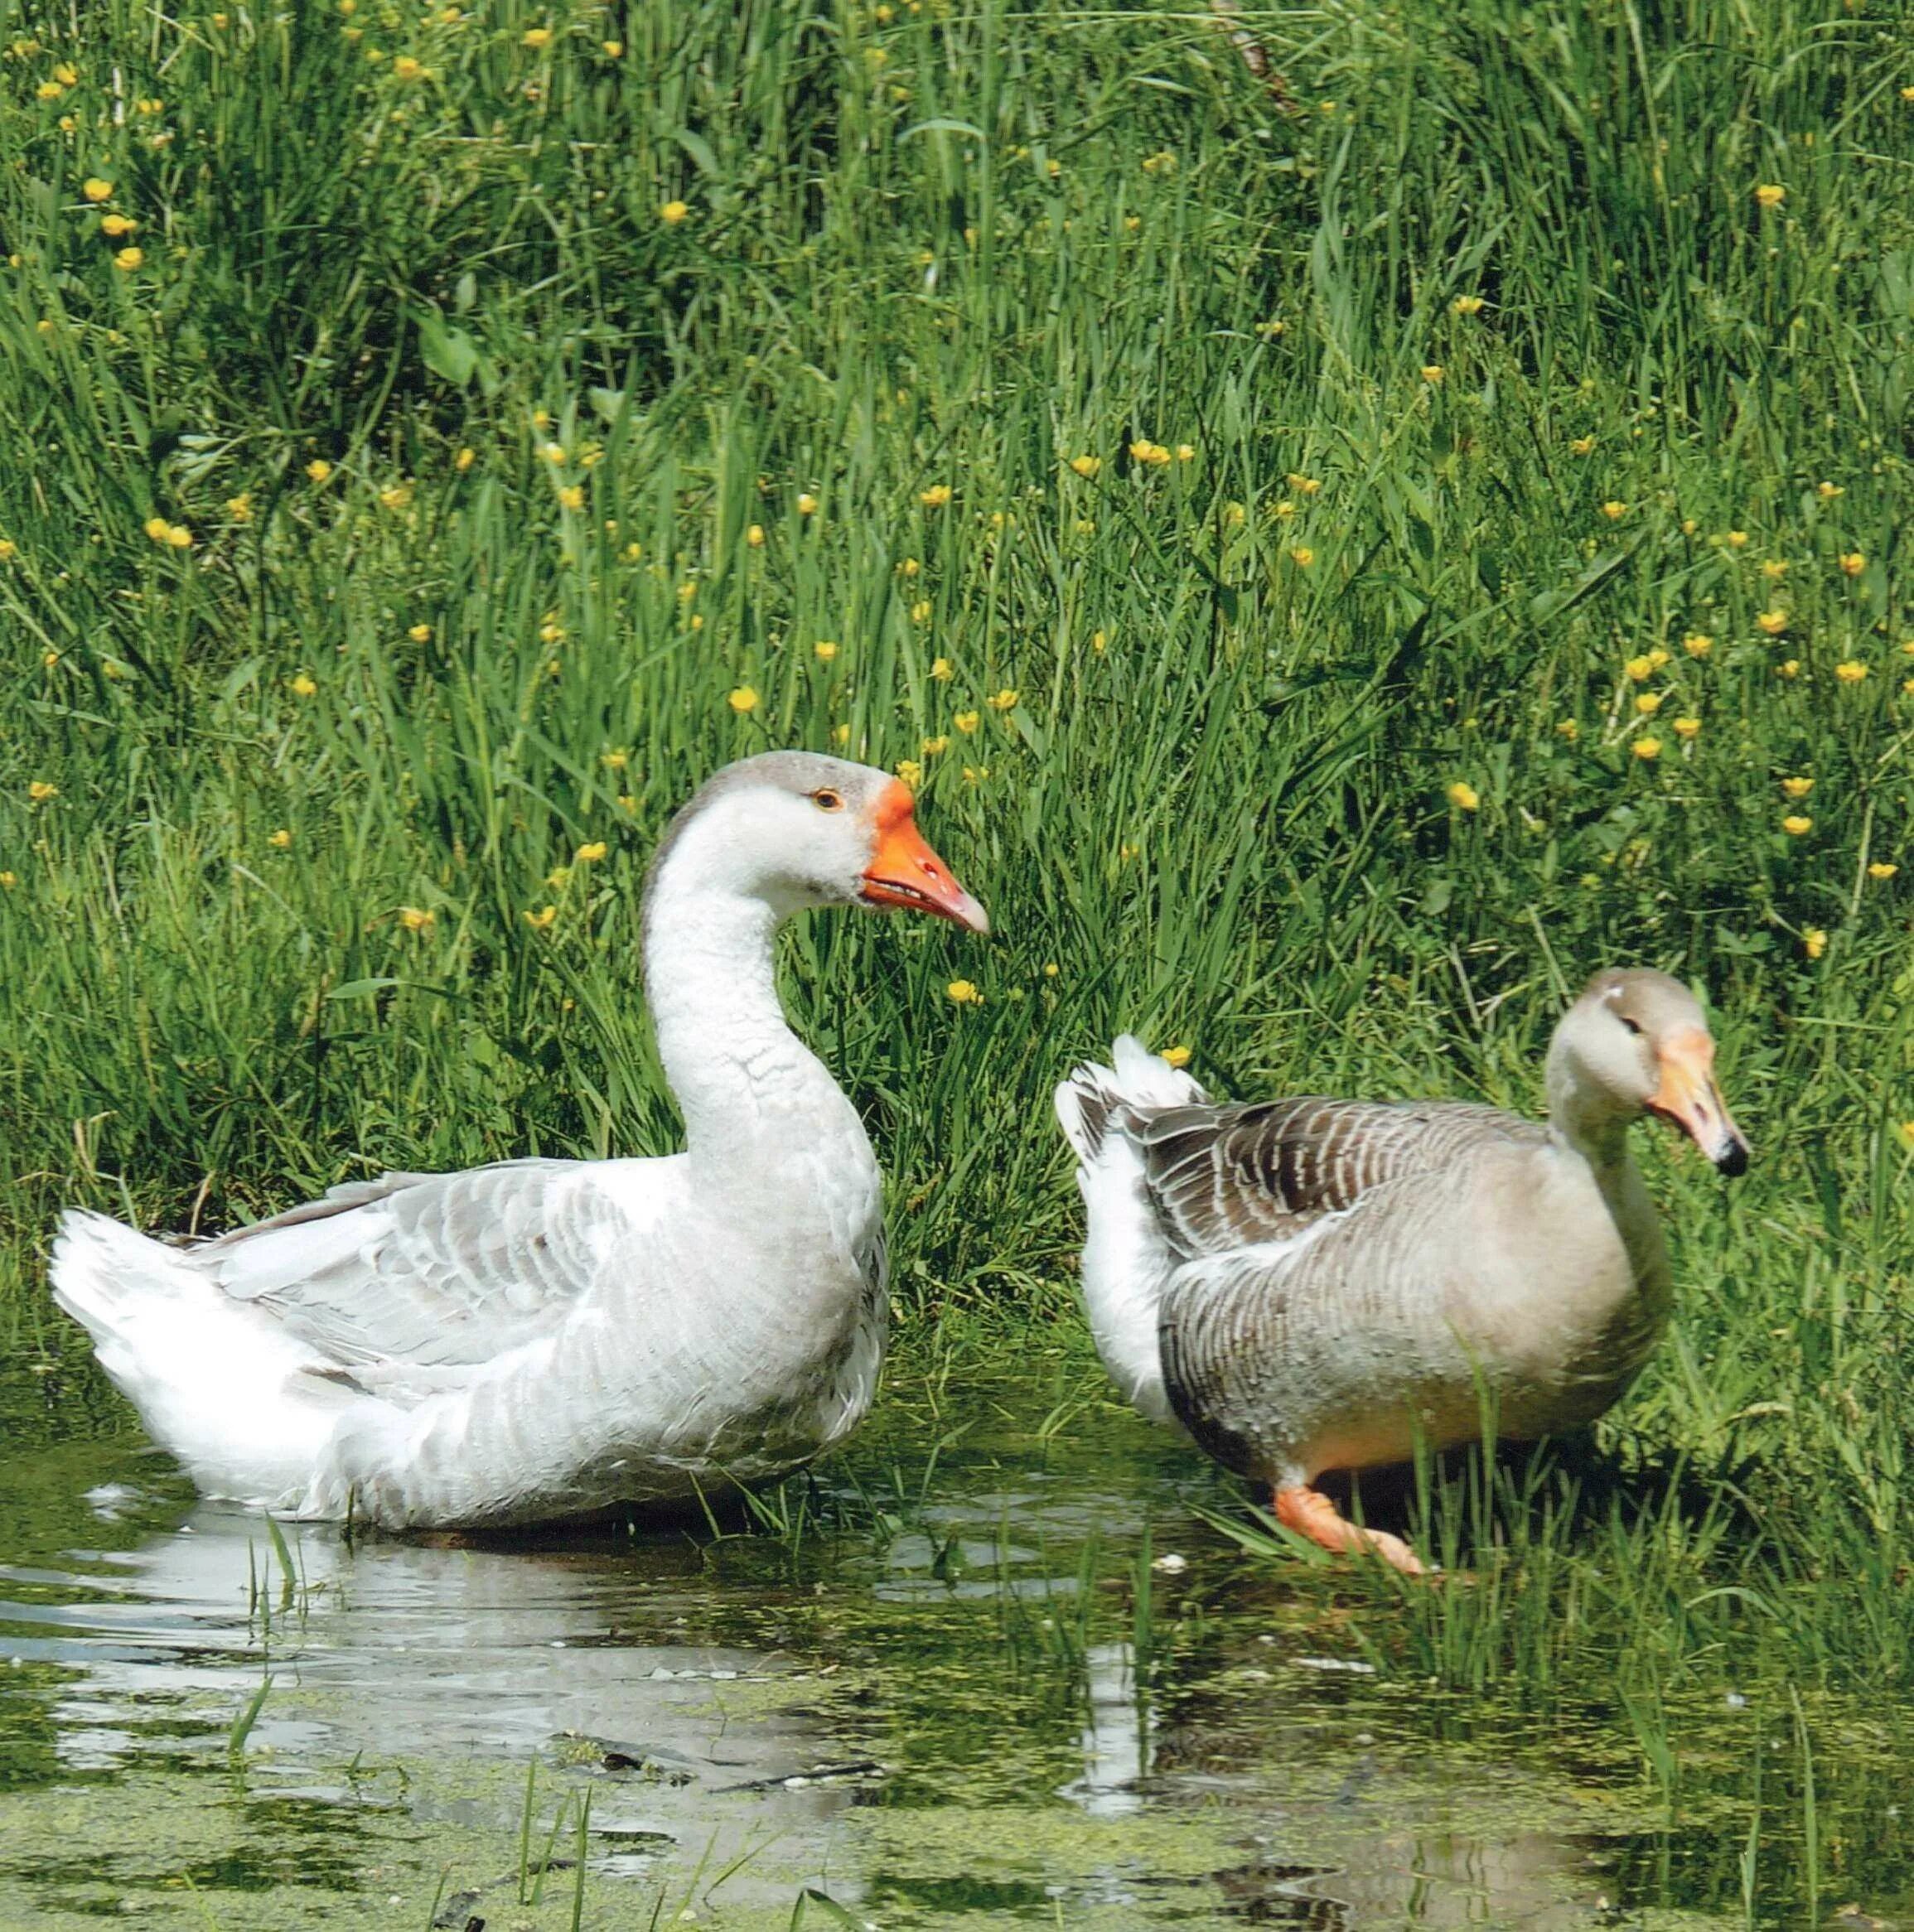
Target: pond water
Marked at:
995, 1665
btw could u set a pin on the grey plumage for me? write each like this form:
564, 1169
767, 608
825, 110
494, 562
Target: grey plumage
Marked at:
1314, 1283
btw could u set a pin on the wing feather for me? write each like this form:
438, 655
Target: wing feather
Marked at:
428, 1271
1228, 1177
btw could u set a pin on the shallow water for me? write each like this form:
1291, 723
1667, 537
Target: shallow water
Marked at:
920, 1704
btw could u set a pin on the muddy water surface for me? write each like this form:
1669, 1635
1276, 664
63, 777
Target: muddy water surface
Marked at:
995, 1666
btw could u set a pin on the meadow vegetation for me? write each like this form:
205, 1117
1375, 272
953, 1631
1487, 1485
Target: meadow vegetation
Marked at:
1344, 552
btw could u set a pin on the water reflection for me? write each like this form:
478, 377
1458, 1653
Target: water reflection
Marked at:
929, 1706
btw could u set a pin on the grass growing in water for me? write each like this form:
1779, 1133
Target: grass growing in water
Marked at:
1341, 562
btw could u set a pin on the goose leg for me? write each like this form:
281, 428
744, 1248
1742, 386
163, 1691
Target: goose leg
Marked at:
1310, 1514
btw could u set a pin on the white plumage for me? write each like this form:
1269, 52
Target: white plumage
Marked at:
538, 1338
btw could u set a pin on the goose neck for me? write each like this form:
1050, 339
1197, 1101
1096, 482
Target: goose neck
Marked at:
741, 1076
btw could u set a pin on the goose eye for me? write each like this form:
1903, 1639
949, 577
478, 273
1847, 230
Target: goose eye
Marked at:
1628, 1023
828, 800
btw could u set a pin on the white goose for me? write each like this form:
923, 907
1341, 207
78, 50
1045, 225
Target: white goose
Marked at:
1322, 1284
541, 1337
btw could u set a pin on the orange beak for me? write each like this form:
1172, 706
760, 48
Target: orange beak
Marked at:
1688, 1097
905, 871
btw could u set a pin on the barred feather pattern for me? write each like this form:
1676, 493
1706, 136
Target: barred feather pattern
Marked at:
1356, 1278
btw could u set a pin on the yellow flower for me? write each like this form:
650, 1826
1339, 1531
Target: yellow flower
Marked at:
825, 651
1583, 446
1796, 826
967, 722
841, 734
156, 528
1284, 510
8, 549
541, 921
396, 495
586, 854
963, 993
1773, 622
1468, 305
1880, 869
415, 918
672, 212
909, 770
1829, 491
1099, 641
1176, 1055
559, 877
536, 36
1185, 452
1789, 668
406, 68
1646, 749
1814, 942
66, 74
1004, 700
921, 611
129, 258
1688, 526
1302, 556
807, 504
552, 452
1086, 465
942, 670
1143, 451
420, 634
279, 840
95, 189
1640, 669
8, 880
1648, 703
1853, 562
614, 49
318, 469
240, 507
114, 226
1698, 644
464, 460
572, 496
932, 747
1614, 511
1658, 657
1797, 787
742, 699
48, 90
935, 497
1433, 372
1774, 569
1302, 484
1850, 670
1769, 194
909, 568
1687, 727
632, 552
1462, 795
1736, 539
1569, 730
179, 537
39, 791
755, 536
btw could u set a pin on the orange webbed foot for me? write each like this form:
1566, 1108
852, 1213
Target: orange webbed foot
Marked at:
1310, 1514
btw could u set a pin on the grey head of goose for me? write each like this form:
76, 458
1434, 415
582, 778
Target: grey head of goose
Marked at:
1637, 1042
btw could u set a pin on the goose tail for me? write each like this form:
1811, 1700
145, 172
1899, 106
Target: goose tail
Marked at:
1093, 1095
221, 1387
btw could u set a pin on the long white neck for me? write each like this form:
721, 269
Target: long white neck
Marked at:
752, 1094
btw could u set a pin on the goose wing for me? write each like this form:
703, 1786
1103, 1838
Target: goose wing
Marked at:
432, 1270
1224, 1178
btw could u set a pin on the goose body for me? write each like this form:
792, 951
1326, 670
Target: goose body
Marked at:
1315, 1284
538, 1338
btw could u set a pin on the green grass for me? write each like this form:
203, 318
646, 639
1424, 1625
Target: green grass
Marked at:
929, 247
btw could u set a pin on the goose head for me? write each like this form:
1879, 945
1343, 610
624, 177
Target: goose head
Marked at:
1636, 1042
796, 830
